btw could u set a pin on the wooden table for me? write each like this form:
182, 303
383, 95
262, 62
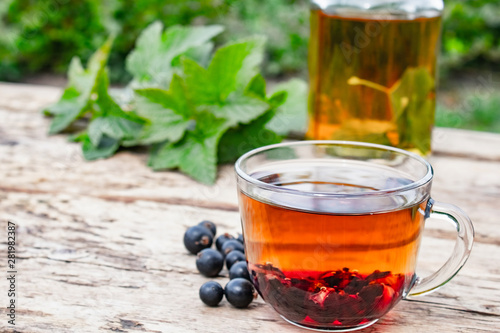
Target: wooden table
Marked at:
99, 244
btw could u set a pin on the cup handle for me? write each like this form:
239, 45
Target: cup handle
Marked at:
463, 247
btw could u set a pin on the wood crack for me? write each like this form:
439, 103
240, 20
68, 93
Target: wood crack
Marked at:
99, 265
131, 199
174, 201
74, 283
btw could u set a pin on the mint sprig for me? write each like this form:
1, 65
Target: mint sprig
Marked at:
167, 113
152, 61
196, 153
77, 96
194, 107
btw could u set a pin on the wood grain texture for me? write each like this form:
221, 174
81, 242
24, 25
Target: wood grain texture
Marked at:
100, 243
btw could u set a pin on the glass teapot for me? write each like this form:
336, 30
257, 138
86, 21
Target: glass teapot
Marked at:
372, 67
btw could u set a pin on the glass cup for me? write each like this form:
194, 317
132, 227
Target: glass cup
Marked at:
332, 230
372, 66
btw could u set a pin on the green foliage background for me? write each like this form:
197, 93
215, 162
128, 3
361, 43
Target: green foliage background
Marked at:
43, 35
40, 36
471, 34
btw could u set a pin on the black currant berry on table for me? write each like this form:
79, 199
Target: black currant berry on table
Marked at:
211, 293
234, 257
209, 262
197, 238
209, 225
222, 239
239, 292
232, 245
240, 239
239, 270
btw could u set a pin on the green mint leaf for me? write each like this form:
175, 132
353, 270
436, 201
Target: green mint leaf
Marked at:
179, 39
278, 98
196, 159
84, 80
112, 126
166, 155
199, 83
232, 67
157, 132
77, 96
78, 137
109, 118
174, 99
66, 110
257, 87
107, 147
69, 96
239, 140
151, 60
103, 102
291, 113
95, 131
99, 59
196, 153
240, 109
168, 112
251, 64
81, 81
201, 54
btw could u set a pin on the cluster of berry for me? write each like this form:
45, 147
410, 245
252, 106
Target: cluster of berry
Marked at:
239, 291
340, 297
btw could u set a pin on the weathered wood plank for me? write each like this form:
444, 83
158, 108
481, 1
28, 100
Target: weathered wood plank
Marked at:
468, 144
101, 242
90, 264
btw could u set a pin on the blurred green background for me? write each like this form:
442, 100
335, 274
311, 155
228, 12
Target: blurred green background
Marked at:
39, 37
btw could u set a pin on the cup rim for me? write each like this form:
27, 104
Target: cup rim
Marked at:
391, 191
